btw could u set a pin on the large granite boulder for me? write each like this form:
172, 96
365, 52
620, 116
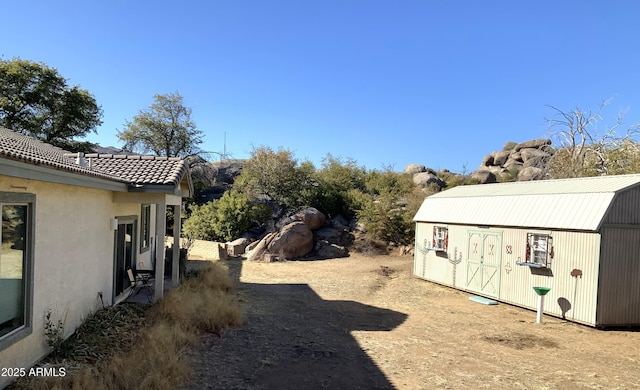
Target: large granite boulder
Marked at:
412, 169
484, 177
294, 240
500, 158
534, 143
425, 178
530, 173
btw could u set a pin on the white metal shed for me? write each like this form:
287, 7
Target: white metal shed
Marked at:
580, 237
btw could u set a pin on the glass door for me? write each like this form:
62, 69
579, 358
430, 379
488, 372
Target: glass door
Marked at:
125, 243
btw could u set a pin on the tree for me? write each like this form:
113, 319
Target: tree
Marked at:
164, 129
586, 148
35, 100
335, 181
277, 175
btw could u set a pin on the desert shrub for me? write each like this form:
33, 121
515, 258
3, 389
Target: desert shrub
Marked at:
223, 219
334, 182
389, 182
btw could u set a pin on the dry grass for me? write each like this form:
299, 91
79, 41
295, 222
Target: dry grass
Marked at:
158, 359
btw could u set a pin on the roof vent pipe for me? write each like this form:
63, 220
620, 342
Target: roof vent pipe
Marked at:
80, 159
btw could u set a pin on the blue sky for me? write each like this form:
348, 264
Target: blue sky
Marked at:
387, 83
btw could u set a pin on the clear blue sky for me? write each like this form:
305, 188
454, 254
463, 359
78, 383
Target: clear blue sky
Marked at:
439, 83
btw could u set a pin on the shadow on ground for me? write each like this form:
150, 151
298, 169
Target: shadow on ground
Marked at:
293, 339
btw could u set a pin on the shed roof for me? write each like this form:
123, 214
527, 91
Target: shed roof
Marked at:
573, 204
118, 168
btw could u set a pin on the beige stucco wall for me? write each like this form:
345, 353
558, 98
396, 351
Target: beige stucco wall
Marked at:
73, 259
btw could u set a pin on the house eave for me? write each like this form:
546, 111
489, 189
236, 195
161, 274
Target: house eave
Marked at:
155, 189
35, 172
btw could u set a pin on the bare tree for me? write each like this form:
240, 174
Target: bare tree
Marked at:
585, 144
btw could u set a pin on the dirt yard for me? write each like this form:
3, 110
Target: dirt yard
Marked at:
366, 323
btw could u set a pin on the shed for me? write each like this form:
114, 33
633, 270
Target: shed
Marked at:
580, 237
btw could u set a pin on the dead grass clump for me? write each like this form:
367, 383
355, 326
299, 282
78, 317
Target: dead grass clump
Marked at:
214, 277
203, 302
153, 353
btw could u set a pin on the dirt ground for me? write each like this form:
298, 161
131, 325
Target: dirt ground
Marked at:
366, 323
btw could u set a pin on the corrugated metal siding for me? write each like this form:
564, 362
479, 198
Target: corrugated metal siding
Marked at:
572, 297
429, 265
619, 287
581, 211
625, 208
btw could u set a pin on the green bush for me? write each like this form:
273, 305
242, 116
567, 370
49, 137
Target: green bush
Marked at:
221, 220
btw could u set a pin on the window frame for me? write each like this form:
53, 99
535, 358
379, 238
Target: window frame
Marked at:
29, 200
440, 238
530, 256
145, 227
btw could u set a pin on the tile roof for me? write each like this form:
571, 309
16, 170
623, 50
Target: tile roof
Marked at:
120, 168
141, 169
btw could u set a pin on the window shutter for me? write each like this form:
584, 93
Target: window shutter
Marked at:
446, 240
435, 237
549, 249
528, 255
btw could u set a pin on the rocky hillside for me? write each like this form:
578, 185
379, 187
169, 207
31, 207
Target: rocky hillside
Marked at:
524, 161
516, 162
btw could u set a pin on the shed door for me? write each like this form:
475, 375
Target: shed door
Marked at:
483, 262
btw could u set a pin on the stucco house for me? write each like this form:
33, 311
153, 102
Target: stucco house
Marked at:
578, 237
72, 224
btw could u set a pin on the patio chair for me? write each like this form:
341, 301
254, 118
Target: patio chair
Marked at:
140, 284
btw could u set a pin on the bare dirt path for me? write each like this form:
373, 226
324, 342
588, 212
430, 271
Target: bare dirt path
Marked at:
365, 322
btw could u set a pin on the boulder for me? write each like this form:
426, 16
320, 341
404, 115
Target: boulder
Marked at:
487, 160
517, 156
226, 171
340, 222
313, 218
294, 240
530, 173
424, 178
484, 176
237, 247
512, 163
415, 168
259, 249
499, 158
326, 250
332, 235
534, 143
529, 154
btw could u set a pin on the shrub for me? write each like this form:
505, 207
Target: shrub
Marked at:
223, 219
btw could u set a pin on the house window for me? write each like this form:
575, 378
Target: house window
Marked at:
145, 223
440, 238
539, 249
16, 261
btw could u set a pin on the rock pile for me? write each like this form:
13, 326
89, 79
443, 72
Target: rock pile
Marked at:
525, 161
422, 177
304, 233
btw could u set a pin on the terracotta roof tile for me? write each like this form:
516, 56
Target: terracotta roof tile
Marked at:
121, 168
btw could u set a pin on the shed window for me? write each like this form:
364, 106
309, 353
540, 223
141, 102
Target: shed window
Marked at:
440, 238
539, 249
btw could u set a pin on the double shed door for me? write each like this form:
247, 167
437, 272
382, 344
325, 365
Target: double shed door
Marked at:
483, 262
